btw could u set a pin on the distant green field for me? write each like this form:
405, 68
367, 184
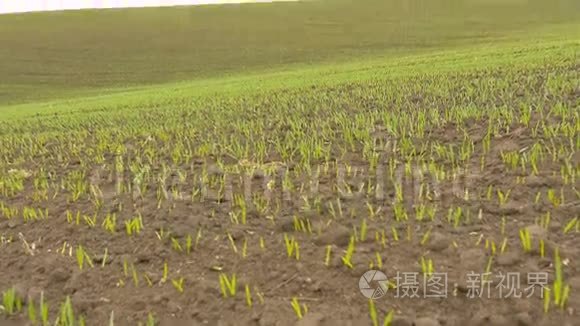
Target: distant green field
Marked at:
302, 82
58, 55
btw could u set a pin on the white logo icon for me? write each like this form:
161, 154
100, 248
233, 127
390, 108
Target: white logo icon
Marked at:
373, 284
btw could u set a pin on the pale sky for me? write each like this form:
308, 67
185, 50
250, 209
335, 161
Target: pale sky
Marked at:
12, 6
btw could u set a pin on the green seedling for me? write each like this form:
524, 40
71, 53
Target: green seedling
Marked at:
11, 303
547, 299
347, 258
248, 296
198, 238
489, 192
389, 318
503, 225
490, 245
245, 248
458, 213
425, 238
232, 243
302, 225
228, 286
260, 296
327, 256
134, 275
363, 230
571, 225
188, 244
553, 198
373, 313
105, 258
560, 289
110, 223
526, 240
29, 214
176, 245
151, 320
395, 233
488, 268
299, 310
43, 310
178, 284
91, 221
420, 212
66, 314
125, 267
503, 197
379, 260
32, 315
545, 220
73, 219
503, 246
148, 280
134, 225
400, 212
240, 201
384, 238
427, 266
292, 247
165, 273
82, 257
373, 212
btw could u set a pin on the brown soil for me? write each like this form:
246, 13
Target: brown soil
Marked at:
39, 256
330, 292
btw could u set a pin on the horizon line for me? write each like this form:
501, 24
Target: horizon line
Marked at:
36, 6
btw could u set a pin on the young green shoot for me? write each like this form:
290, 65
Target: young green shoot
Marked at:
32, 315
425, 238
165, 273
178, 284
503, 197
228, 286
560, 289
11, 302
526, 240
43, 310
249, 301
83, 256
373, 313
299, 310
571, 225
347, 258
292, 247
427, 267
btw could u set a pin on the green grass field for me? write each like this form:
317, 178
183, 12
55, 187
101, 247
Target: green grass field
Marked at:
59, 55
247, 164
